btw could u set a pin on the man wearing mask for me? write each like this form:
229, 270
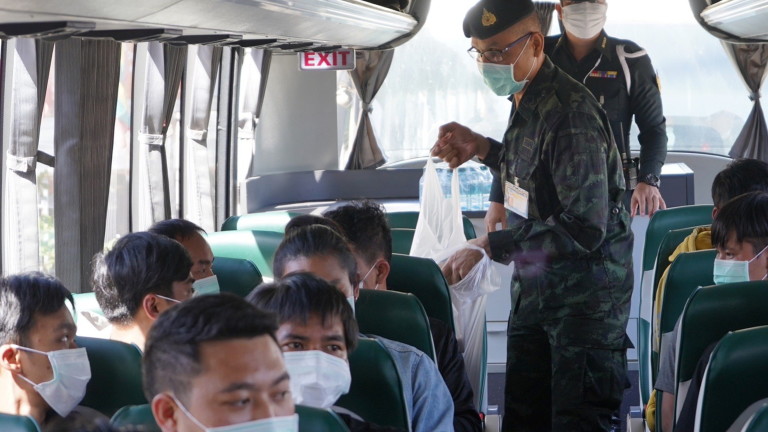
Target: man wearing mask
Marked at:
191, 237
317, 332
43, 374
213, 364
620, 75
572, 245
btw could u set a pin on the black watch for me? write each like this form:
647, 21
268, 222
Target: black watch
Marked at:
651, 180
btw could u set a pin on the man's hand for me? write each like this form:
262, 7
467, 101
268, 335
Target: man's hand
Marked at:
646, 200
496, 214
461, 263
457, 144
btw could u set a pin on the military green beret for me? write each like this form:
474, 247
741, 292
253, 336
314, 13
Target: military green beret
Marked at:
490, 17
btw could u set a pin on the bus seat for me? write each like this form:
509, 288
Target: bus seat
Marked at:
689, 271
237, 276
136, 415
265, 221
14, 423
115, 375
376, 393
409, 219
758, 422
661, 222
396, 316
710, 313
422, 277
736, 377
402, 238
254, 245
319, 420
669, 243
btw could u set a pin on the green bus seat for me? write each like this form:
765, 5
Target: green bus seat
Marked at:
136, 415
669, 243
758, 422
237, 276
376, 393
661, 222
319, 420
396, 316
689, 271
115, 375
422, 277
402, 239
256, 246
409, 219
710, 313
737, 377
265, 221
14, 423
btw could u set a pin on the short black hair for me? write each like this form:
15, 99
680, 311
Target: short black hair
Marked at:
365, 225
739, 177
138, 264
24, 295
177, 229
172, 354
314, 240
311, 219
747, 217
298, 296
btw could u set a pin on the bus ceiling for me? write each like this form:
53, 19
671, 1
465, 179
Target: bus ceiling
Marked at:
736, 21
274, 24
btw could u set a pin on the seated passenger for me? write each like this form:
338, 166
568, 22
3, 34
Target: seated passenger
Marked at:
322, 251
739, 177
191, 237
364, 224
316, 329
142, 276
740, 234
43, 374
212, 362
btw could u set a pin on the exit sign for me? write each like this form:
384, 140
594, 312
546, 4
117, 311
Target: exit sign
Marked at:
343, 59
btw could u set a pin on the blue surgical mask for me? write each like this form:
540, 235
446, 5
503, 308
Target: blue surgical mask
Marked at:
272, 424
731, 271
205, 286
500, 78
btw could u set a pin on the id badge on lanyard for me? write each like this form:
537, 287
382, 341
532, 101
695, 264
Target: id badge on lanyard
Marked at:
516, 199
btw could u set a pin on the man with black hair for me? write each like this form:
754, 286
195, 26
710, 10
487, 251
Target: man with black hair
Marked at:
322, 251
43, 374
214, 361
740, 234
142, 276
317, 331
739, 177
191, 237
365, 225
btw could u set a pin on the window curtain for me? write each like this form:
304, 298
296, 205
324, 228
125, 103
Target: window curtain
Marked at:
544, 11
29, 63
164, 70
253, 85
370, 71
751, 60
87, 78
201, 84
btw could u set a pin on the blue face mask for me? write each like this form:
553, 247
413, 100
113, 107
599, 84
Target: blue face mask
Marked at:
500, 78
732, 271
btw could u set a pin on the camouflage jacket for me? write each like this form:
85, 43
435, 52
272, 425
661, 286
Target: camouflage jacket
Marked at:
558, 148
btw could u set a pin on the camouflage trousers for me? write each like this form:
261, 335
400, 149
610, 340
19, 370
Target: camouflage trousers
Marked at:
567, 366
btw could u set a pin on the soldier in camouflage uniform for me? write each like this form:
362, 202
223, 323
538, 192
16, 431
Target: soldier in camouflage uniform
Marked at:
571, 240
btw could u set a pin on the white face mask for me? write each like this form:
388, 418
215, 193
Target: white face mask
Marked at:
351, 301
362, 281
272, 424
172, 300
732, 271
584, 20
317, 379
209, 285
71, 373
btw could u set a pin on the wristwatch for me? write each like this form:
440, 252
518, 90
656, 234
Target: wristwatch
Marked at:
651, 180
